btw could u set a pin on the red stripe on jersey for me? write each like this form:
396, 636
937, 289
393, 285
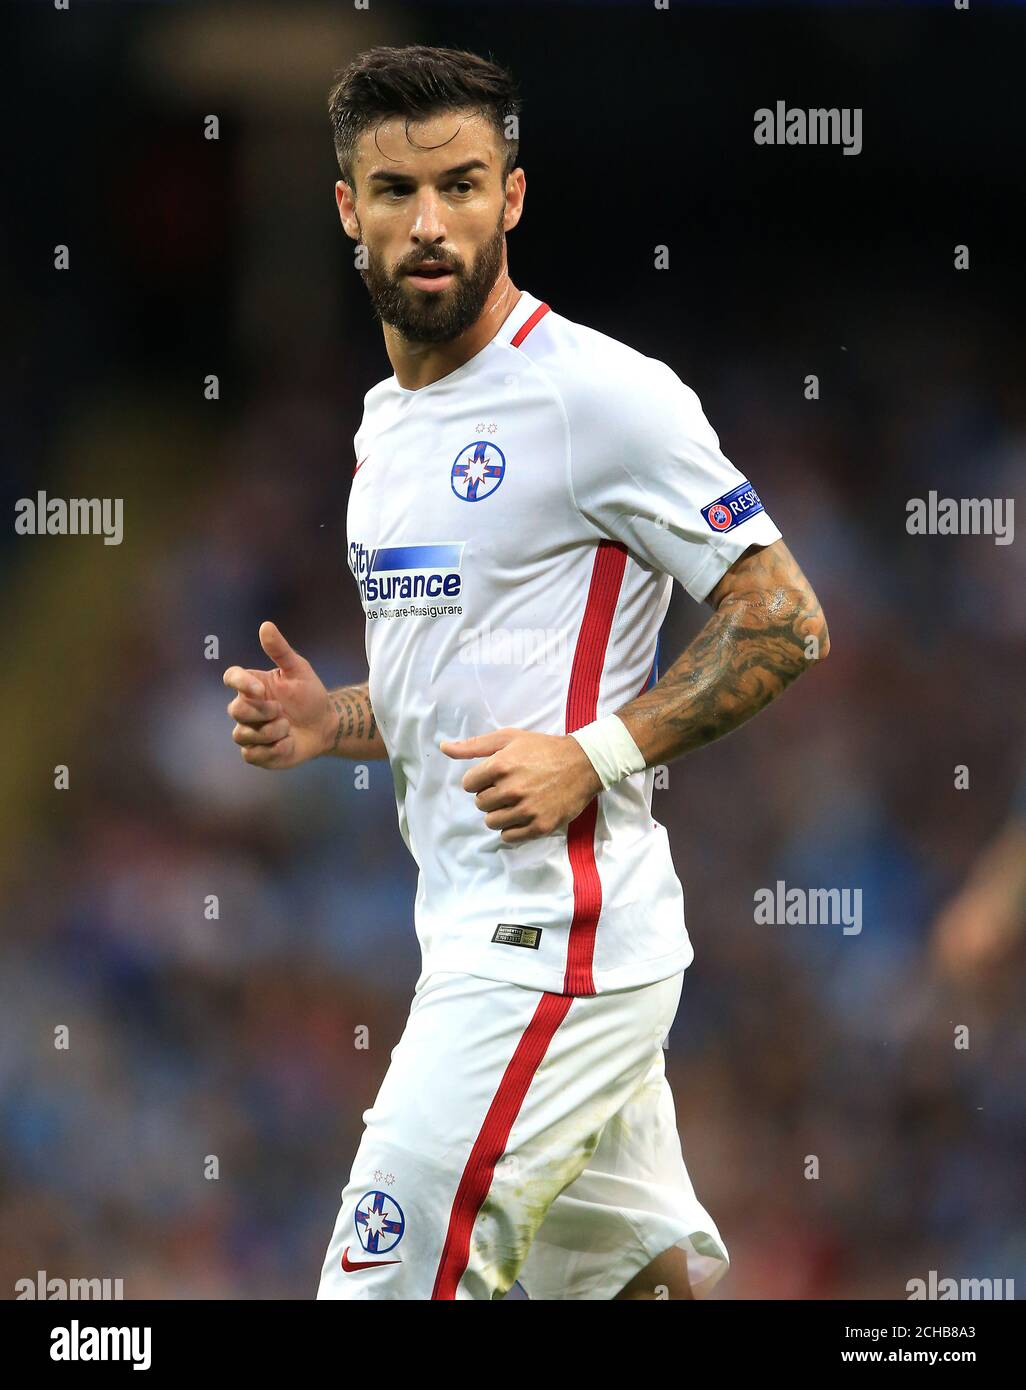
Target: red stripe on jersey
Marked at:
581, 708
492, 1139
651, 672
525, 328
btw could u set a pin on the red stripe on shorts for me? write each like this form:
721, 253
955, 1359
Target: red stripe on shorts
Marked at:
491, 1141
581, 707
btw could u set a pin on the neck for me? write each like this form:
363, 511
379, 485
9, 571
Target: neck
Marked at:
419, 364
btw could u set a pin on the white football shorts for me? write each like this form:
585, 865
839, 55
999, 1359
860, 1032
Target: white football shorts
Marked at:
521, 1136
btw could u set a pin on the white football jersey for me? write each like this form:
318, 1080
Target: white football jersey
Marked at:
514, 529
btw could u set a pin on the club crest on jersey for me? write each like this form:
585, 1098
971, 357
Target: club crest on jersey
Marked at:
733, 507
477, 470
379, 1222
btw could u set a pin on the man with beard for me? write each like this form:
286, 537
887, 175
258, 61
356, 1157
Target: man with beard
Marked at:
521, 475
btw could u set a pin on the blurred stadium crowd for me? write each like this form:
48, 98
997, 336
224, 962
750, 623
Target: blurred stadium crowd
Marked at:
234, 1036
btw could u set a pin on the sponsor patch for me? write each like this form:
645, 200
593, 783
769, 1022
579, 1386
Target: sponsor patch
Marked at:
732, 508
511, 934
394, 575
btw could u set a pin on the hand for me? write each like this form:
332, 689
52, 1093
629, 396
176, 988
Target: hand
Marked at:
530, 785
284, 715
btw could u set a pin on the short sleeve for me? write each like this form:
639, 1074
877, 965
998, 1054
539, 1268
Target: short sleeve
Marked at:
647, 470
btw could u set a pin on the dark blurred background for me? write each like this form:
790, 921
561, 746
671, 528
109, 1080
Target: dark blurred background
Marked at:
188, 256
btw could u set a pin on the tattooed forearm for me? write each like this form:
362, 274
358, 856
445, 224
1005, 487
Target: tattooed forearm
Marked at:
767, 629
356, 733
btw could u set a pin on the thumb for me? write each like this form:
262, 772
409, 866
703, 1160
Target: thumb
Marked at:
480, 746
277, 648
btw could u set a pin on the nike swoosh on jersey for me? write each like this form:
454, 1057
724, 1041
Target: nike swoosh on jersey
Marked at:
350, 1265
360, 464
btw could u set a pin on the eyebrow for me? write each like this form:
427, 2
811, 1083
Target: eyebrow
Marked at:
390, 176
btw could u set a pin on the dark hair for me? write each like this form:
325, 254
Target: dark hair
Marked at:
415, 82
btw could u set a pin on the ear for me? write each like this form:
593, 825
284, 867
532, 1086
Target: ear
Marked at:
516, 187
346, 201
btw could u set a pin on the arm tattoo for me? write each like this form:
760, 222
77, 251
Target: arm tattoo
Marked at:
356, 720
767, 627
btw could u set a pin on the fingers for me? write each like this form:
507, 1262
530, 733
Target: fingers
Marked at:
503, 804
507, 819
516, 835
261, 731
480, 746
245, 682
494, 798
479, 778
270, 755
257, 735
277, 648
248, 711
507, 812
258, 721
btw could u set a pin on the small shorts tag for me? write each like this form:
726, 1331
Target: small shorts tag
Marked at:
510, 934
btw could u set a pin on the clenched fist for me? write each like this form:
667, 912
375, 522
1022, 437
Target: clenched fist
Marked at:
283, 716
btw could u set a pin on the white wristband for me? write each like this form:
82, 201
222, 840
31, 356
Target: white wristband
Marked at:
613, 753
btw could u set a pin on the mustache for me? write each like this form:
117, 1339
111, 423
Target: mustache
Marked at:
415, 261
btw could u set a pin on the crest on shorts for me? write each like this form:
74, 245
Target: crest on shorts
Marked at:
379, 1221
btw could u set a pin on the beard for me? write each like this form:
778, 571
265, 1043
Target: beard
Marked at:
426, 316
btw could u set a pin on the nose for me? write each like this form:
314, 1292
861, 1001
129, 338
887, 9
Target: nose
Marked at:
428, 228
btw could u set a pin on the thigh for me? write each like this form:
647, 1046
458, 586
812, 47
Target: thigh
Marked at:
494, 1101
632, 1201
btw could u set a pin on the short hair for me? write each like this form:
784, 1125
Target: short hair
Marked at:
415, 82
